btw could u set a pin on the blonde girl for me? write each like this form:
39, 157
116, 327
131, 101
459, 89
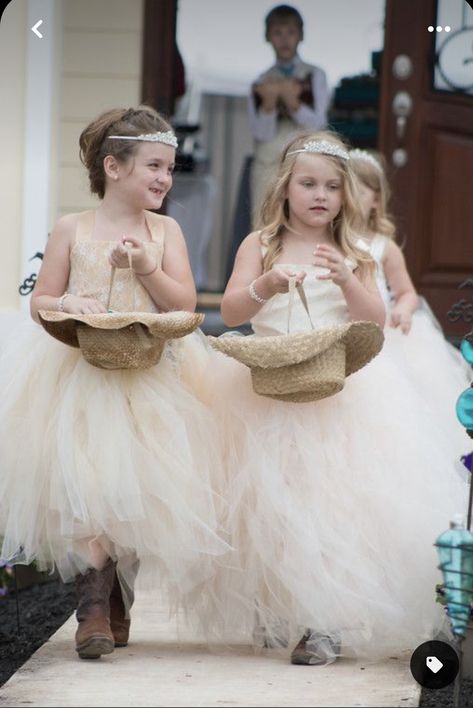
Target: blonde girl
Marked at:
332, 508
414, 336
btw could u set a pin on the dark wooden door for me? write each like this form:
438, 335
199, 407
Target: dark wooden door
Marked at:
429, 147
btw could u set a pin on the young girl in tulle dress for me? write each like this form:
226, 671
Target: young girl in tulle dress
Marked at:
333, 505
412, 334
103, 470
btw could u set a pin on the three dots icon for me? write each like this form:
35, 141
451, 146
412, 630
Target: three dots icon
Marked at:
439, 28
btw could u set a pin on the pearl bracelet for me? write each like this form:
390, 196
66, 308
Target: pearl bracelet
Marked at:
60, 304
254, 295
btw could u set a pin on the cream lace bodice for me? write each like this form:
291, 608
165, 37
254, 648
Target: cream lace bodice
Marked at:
91, 271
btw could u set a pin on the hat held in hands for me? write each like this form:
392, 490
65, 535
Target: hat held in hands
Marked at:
307, 366
120, 340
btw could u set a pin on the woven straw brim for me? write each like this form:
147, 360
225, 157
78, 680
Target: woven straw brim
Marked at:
166, 325
363, 340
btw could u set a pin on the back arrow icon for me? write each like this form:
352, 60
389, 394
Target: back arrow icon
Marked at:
35, 29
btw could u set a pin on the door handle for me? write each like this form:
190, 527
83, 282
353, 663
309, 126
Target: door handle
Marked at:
402, 107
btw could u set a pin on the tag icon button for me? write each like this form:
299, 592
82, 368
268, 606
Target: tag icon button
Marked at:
433, 664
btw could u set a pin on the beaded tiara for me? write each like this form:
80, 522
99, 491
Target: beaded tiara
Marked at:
358, 154
168, 138
324, 147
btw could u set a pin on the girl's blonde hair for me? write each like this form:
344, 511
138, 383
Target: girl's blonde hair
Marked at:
372, 173
347, 226
94, 145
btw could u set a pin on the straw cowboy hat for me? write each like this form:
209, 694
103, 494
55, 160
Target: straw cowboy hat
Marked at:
306, 366
120, 340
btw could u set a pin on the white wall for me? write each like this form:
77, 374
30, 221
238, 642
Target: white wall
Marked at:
222, 41
13, 38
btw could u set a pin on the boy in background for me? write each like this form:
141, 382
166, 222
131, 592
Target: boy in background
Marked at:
290, 96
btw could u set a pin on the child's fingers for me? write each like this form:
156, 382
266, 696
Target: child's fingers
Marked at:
405, 323
132, 241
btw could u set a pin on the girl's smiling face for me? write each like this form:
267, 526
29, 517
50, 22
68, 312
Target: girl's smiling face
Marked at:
147, 177
315, 191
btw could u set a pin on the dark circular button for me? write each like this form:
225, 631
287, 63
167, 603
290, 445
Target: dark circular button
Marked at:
434, 664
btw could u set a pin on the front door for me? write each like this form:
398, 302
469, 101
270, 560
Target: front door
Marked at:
426, 134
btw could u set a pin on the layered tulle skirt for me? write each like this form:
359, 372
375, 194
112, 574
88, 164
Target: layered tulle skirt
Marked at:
123, 459
434, 367
333, 511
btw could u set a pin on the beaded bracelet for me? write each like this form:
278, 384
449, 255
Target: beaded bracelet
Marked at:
254, 295
60, 304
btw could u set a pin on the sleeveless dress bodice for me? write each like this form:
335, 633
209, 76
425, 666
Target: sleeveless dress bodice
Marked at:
376, 247
91, 271
326, 302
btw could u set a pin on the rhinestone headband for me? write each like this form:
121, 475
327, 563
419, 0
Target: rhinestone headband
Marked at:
366, 156
167, 138
324, 147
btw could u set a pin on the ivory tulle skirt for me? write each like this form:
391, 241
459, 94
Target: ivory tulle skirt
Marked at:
435, 368
333, 510
124, 458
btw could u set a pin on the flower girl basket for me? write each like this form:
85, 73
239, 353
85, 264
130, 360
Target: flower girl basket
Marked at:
120, 340
306, 366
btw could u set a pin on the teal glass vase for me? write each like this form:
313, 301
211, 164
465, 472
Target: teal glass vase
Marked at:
455, 552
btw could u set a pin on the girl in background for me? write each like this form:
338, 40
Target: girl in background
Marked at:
413, 335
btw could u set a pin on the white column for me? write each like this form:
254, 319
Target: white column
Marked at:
39, 100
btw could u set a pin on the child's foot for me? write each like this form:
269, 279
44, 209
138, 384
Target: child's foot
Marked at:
277, 637
315, 649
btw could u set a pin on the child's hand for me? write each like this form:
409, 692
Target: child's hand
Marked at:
290, 92
268, 91
400, 317
75, 305
140, 259
278, 279
328, 257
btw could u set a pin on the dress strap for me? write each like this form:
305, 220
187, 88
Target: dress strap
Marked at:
85, 225
156, 227
155, 224
378, 246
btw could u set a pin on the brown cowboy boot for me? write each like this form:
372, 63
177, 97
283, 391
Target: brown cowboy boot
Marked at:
119, 622
94, 636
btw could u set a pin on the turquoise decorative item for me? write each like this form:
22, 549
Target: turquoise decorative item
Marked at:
466, 348
455, 552
464, 408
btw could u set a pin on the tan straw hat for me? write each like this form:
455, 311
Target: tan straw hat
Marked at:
306, 366
120, 340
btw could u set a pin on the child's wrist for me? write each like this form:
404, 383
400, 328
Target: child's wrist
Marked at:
261, 288
146, 268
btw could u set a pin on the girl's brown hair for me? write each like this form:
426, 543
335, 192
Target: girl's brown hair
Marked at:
372, 173
347, 226
94, 145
